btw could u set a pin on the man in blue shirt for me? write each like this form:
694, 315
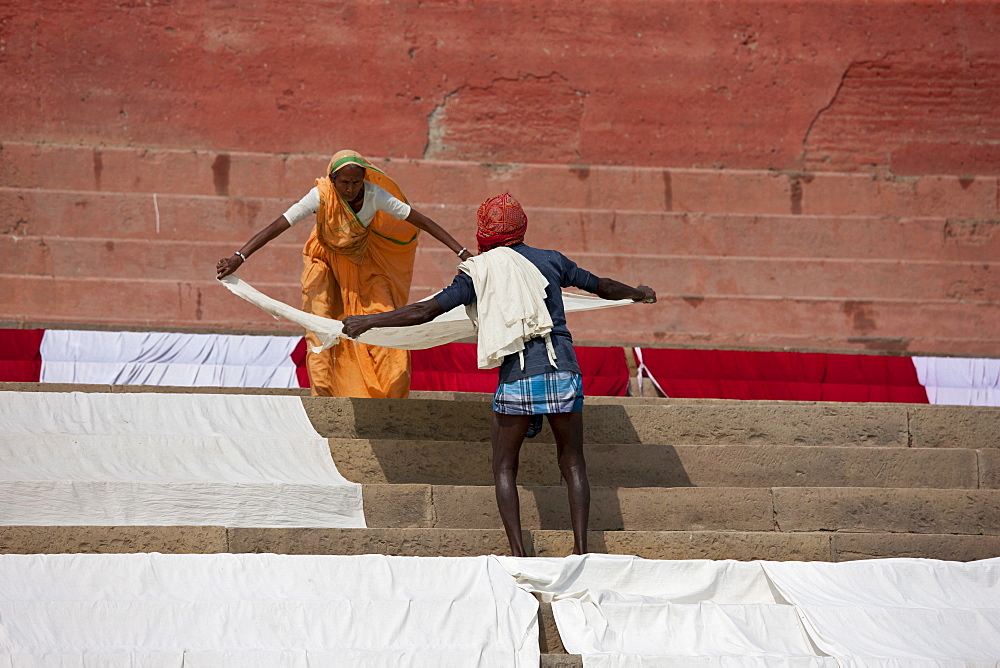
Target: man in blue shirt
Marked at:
535, 382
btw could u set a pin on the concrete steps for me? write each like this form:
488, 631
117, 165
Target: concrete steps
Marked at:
671, 479
740, 258
244, 174
644, 465
650, 544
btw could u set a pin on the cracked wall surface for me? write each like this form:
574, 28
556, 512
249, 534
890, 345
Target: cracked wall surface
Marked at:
835, 85
911, 113
495, 119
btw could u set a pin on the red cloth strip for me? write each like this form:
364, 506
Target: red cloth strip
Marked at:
731, 374
20, 355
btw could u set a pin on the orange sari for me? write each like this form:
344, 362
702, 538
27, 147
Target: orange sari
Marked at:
349, 269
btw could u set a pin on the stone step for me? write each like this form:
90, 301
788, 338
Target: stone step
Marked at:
465, 417
933, 302
721, 276
676, 422
644, 465
239, 174
703, 544
704, 321
212, 220
791, 509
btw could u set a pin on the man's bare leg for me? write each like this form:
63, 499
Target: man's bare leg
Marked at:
568, 431
507, 433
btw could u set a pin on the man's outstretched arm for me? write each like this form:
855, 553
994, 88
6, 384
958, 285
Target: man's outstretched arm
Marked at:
411, 314
609, 288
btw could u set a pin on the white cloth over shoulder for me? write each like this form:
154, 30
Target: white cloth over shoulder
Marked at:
263, 610
510, 305
453, 325
78, 459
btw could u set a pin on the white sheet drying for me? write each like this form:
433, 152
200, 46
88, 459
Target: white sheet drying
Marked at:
960, 381
168, 459
167, 358
446, 328
262, 610
892, 613
627, 611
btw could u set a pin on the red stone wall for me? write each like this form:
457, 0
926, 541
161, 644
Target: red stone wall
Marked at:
910, 87
807, 175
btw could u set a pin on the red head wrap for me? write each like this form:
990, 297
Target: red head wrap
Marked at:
501, 222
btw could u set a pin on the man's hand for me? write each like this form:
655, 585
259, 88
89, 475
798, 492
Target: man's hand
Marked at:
356, 325
228, 265
649, 295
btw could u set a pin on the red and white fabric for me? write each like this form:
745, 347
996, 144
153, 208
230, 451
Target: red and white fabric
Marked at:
220, 360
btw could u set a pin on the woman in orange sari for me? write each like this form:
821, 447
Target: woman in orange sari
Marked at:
357, 261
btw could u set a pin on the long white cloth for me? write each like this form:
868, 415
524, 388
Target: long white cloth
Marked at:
510, 305
227, 610
626, 611
167, 358
898, 612
446, 328
960, 381
166, 460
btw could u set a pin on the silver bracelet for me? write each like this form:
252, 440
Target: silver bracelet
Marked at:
242, 256
464, 250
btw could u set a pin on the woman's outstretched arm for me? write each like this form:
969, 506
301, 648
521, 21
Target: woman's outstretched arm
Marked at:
426, 224
228, 265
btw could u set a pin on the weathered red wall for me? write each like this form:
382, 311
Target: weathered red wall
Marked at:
821, 175
910, 87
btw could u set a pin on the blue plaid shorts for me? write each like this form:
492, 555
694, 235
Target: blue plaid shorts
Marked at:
555, 392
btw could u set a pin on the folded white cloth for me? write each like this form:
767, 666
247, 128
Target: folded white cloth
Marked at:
510, 305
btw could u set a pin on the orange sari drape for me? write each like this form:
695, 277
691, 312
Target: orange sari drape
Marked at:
352, 270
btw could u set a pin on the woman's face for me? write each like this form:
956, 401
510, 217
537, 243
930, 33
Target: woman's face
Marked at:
349, 181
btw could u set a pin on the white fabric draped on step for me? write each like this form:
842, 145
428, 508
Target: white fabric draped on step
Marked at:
626, 611
266, 610
168, 460
167, 358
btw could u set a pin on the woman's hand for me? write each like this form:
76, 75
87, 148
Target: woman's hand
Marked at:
464, 255
228, 265
356, 325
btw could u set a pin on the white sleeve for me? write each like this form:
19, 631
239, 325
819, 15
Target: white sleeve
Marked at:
303, 208
392, 206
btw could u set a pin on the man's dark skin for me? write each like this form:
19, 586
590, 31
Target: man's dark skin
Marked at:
507, 431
